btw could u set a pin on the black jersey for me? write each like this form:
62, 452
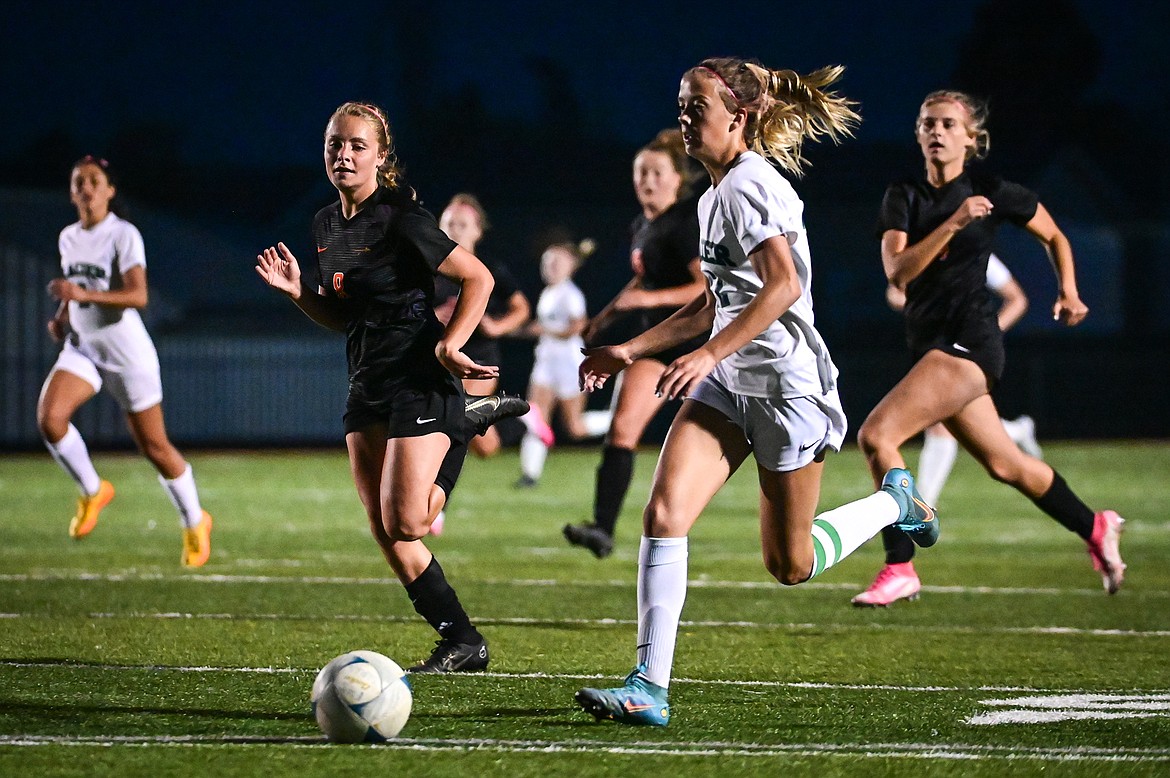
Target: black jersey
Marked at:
951, 294
381, 266
481, 348
665, 248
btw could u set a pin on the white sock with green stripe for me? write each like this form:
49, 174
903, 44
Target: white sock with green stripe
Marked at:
838, 533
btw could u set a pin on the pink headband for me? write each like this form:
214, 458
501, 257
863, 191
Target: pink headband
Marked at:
731, 91
374, 110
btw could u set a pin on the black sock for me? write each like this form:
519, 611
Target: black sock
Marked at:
511, 430
899, 546
1060, 503
435, 600
613, 481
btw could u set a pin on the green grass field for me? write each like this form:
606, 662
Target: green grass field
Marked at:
115, 661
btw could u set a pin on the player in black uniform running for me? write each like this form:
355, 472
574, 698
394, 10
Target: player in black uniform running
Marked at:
664, 254
936, 235
406, 430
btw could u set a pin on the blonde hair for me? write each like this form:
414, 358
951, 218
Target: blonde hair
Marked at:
579, 251
976, 118
472, 202
389, 172
783, 107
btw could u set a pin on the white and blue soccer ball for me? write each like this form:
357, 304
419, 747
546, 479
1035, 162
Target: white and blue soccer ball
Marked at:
361, 697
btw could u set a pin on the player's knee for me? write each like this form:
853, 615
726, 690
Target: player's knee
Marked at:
483, 447
785, 570
657, 519
1003, 470
52, 424
869, 437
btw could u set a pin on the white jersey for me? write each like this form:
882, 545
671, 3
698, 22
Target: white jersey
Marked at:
998, 276
751, 204
95, 258
556, 308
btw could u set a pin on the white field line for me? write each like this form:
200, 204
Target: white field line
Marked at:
947, 751
514, 621
697, 583
576, 677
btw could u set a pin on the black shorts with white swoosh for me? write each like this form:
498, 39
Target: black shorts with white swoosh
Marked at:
410, 412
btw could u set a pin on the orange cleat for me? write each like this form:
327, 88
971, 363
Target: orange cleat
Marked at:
88, 509
197, 542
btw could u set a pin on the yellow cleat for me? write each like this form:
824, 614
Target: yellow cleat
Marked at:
197, 542
88, 509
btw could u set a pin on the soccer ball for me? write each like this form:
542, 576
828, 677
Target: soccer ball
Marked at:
361, 697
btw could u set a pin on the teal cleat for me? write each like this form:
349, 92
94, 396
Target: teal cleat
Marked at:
637, 702
918, 519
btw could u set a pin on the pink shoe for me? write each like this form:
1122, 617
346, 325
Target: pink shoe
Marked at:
893, 583
534, 421
1104, 547
437, 525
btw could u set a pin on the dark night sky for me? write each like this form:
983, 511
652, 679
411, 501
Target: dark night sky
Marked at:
251, 83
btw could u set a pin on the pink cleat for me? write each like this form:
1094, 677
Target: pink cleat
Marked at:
893, 583
1104, 547
534, 421
436, 528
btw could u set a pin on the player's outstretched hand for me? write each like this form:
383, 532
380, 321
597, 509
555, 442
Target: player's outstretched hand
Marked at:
683, 375
463, 366
279, 269
1069, 310
599, 364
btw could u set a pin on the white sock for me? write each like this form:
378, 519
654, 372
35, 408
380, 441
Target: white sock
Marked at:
533, 452
185, 497
841, 531
72, 455
596, 422
934, 466
662, 589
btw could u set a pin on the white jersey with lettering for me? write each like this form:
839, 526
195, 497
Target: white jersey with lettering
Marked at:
112, 337
751, 204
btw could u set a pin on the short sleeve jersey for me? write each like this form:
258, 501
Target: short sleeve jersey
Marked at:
952, 293
95, 258
556, 308
665, 247
750, 205
381, 266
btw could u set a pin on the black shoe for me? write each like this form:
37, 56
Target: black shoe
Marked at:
524, 482
452, 657
589, 536
484, 411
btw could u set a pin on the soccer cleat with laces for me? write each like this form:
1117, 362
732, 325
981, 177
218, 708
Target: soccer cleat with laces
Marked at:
197, 542
918, 520
88, 509
484, 411
894, 582
1104, 547
638, 701
589, 536
452, 657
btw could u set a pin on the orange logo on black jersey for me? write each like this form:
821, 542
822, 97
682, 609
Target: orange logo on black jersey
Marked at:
339, 284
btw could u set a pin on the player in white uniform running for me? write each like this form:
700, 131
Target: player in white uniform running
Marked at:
106, 344
763, 385
561, 317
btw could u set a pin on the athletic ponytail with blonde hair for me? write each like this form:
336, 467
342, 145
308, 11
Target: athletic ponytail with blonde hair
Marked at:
783, 107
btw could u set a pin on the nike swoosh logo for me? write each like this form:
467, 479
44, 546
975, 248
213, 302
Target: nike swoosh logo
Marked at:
493, 401
957, 347
925, 507
629, 707
421, 420
807, 446
322, 248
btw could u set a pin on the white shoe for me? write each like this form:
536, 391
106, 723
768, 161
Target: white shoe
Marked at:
437, 525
